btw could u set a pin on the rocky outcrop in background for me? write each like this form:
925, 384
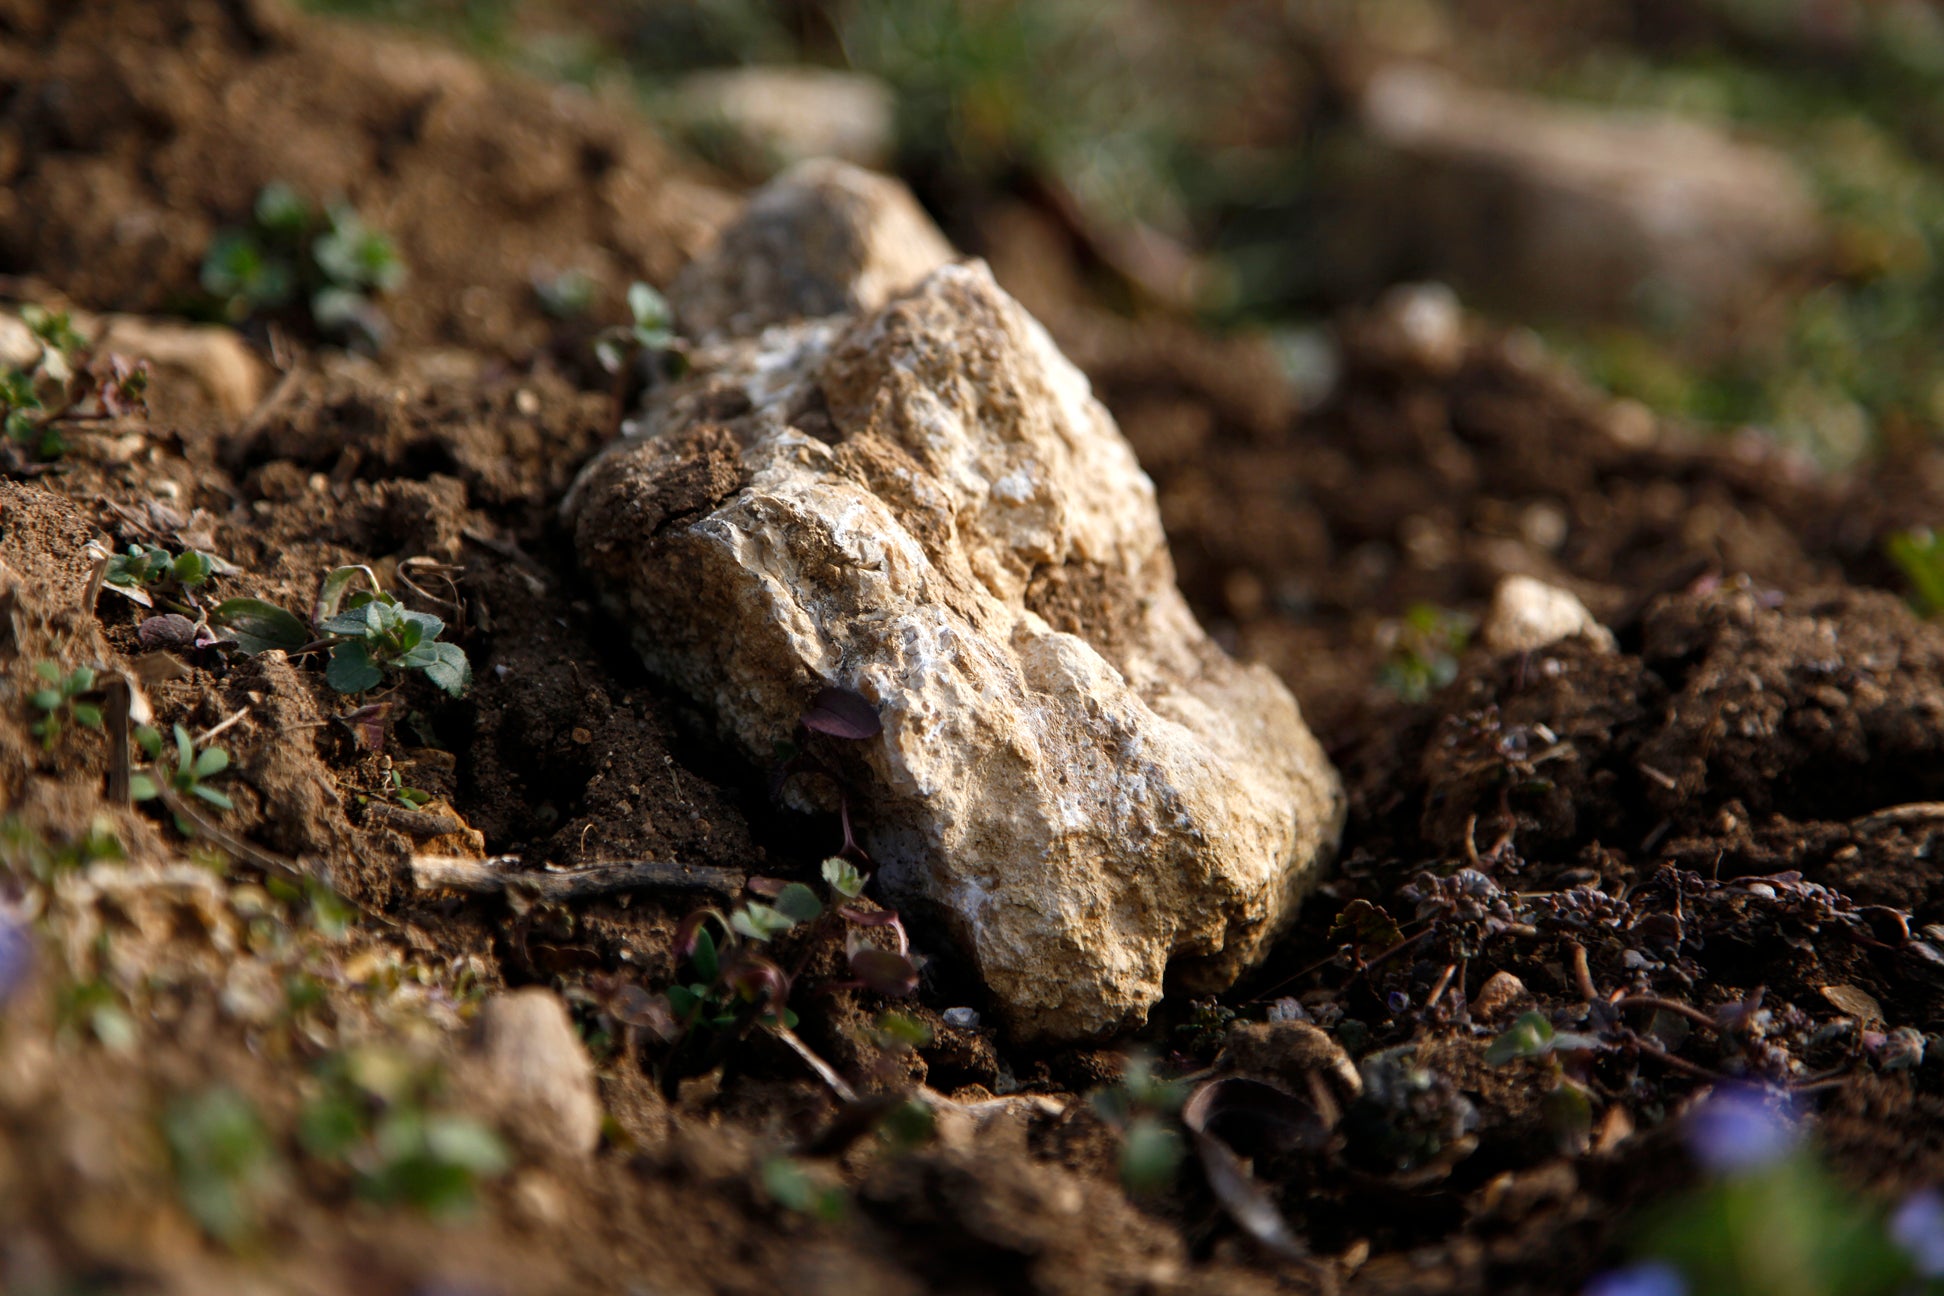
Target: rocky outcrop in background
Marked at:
918, 498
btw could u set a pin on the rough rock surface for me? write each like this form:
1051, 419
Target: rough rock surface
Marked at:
1567, 210
919, 499
821, 238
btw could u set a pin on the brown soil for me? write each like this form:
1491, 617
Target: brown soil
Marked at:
1707, 814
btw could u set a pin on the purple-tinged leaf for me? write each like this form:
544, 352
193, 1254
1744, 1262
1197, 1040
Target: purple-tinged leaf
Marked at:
1228, 1175
1262, 1117
883, 970
689, 933
368, 725
767, 887
757, 980
634, 1006
842, 713
170, 630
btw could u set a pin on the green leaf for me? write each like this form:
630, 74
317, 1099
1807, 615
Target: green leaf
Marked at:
211, 761
258, 626
48, 699
88, 714
759, 922
192, 568
704, 958
142, 788
80, 681
461, 1141
330, 1125
351, 669
683, 1000
48, 671
798, 903
149, 741
331, 592
449, 668
1529, 1037
843, 877
648, 308
281, 210
185, 751
429, 626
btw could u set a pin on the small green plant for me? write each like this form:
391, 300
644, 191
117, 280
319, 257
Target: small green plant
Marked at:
189, 778
25, 853
1422, 656
325, 263
1567, 1107
650, 330
795, 1187
1919, 555
1143, 1107
65, 383
226, 1163
735, 984
374, 1113
144, 570
95, 1008
410, 797
379, 634
61, 702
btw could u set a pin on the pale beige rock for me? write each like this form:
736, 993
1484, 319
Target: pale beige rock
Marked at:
925, 503
1527, 615
767, 118
215, 359
1563, 209
1499, 995
823, 238
539, 1080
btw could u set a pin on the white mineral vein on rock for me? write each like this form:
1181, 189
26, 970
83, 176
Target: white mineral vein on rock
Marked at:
918, 498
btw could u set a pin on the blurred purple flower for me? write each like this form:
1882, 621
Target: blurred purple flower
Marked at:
16, 955
1648, 1278
1398, 1001
1918, 1228
1737, 1130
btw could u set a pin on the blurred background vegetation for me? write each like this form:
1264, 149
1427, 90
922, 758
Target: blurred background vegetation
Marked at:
1198, 157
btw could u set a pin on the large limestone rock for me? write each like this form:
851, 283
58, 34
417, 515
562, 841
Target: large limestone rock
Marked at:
918, 498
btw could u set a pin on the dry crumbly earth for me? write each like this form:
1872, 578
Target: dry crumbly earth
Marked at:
1772, 698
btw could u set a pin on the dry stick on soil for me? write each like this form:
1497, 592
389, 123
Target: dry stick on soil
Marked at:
1893, 816
503, 872
1582, 974
825, 1072
115, 712
1659, 1004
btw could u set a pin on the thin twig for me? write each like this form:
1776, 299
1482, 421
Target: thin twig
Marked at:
503, 872
1679, 1063
1659, 1004
1582, 974
1437, 991
207, 734
115, 712
1890, 816
825, 1072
